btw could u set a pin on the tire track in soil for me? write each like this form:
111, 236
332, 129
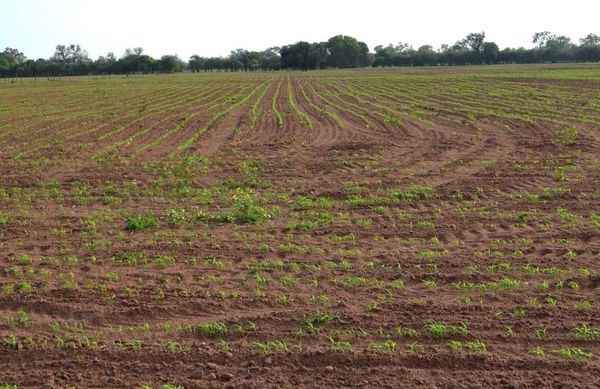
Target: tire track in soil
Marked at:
265, 129
124, 145
353, 131
325, 132
443, 155
218, 136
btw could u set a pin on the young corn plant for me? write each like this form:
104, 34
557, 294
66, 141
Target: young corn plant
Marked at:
586, 333
476, 346
275, 346
339, 345
538, 352
573, 353
455, 346
312, 323
389, 346
211, 330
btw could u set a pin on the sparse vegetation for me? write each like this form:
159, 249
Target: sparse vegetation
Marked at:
228, 223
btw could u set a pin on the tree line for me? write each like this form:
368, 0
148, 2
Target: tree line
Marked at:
338, 52
474, 50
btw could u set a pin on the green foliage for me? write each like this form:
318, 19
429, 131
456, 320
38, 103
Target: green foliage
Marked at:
568, 217
388, 346
303, 203
20, 318
414, 193
567, 136
573, 353
211, 329
4, 219
129, 258
440, 330
245, 210
538, 352
138, 223
587, 333
347, 52
276, 346
476, 346
552, 193
312, 323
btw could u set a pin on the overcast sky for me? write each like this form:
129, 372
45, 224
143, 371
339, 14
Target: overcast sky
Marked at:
187, 27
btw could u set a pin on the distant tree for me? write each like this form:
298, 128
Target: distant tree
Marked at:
589, 49
384, 55
318, 55
553, 47
365, 58
4, 66
391, 55
425, 55
490, 52
459, 46
12, 57
402, 47
134, 61
170, 64
304, 55
196, 63
71, 59
214, 63
474, 41
540, 38
559, 42
106, 64
347, 52
238, 59
71, 54
298, 56
339, 52
590, 40
270, 59
247, 60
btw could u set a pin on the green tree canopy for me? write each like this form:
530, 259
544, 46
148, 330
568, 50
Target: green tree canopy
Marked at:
347, 52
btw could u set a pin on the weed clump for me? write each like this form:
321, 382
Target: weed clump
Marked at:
138, 223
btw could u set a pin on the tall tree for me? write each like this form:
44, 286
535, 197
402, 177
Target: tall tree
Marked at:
474, 41
540, 38
490, 52
270, 59
12, 57
4, 66
170, 64
71, 54
297, 56
590, 40
196, 63
347, 52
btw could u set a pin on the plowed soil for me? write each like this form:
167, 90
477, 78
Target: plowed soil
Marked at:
314, 229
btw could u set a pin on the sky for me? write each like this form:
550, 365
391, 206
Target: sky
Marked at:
186, 27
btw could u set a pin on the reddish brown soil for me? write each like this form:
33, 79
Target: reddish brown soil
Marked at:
490, 164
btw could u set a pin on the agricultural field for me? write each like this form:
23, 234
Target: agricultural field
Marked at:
381, 228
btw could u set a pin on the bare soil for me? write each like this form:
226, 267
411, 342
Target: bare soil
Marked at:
493, 213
